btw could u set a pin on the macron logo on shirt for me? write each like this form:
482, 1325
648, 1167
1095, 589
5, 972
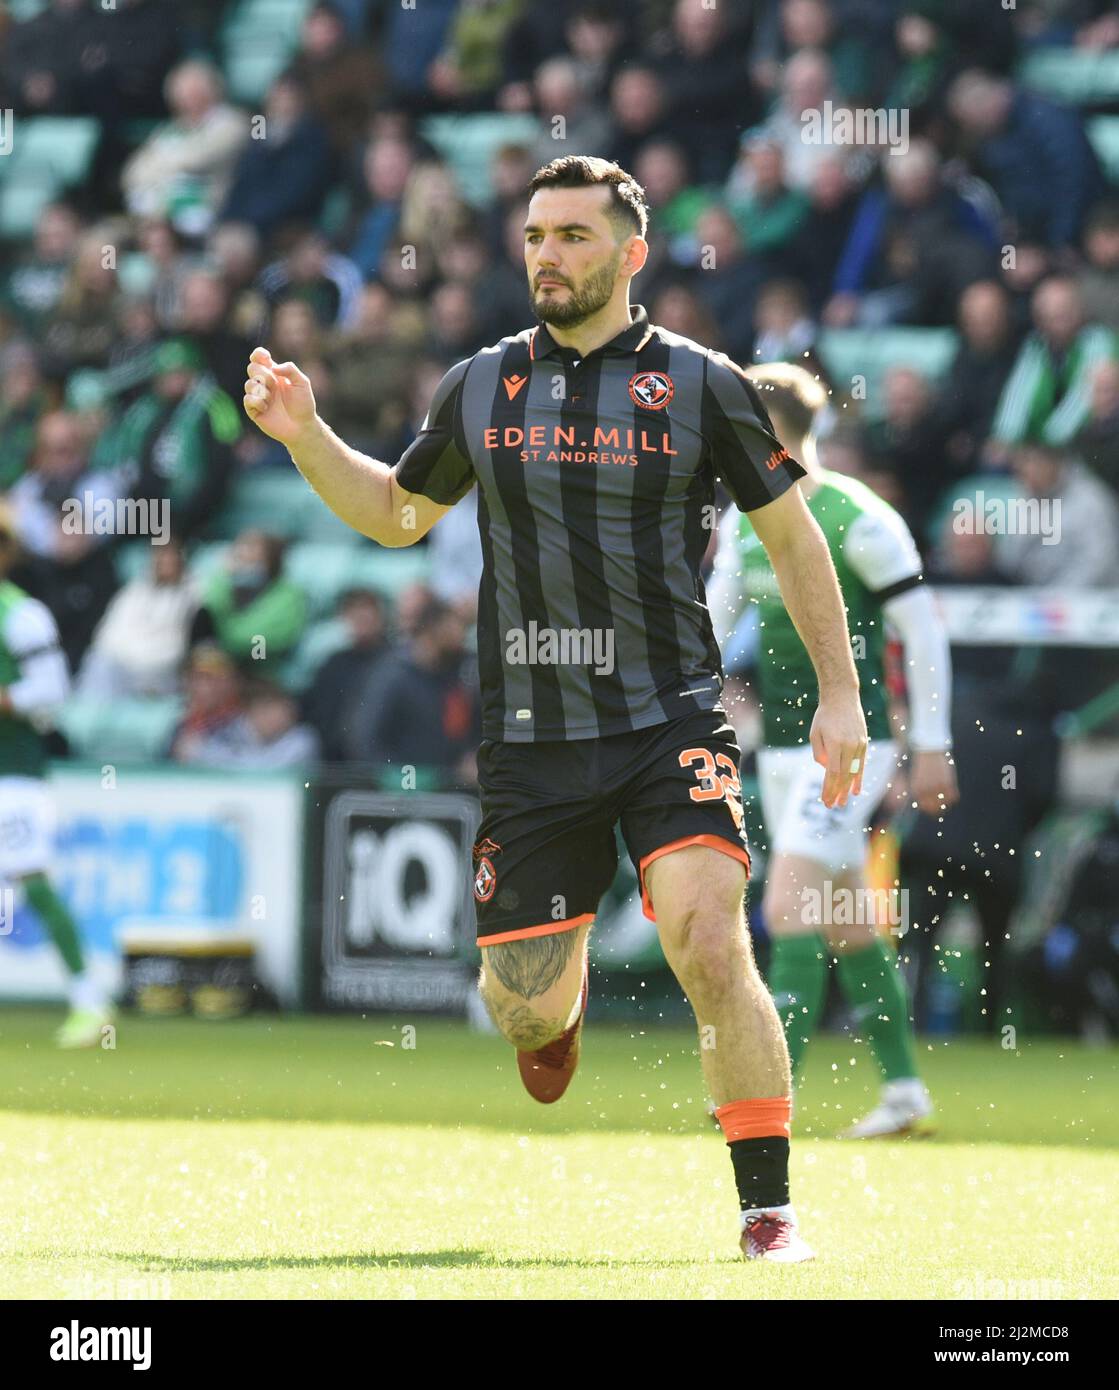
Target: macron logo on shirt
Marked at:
513, 384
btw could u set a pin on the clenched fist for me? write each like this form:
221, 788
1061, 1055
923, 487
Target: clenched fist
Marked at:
278, 397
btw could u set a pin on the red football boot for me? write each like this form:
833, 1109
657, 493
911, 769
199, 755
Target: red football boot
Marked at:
771, 1236
547, 1072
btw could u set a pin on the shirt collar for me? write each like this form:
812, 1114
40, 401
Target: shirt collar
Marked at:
629, 340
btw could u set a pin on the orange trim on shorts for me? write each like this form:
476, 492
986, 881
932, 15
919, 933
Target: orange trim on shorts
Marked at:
764, 1118
711, 841
545, 929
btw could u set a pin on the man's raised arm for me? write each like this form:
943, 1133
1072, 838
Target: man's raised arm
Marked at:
810, 589
363, 491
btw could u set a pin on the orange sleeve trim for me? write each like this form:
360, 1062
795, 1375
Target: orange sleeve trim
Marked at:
710, 841
764, 1118
545, 929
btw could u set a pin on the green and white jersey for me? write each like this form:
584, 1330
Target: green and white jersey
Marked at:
875, 558
34, 673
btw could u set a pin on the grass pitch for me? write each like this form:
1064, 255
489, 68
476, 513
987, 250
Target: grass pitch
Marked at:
319, 1158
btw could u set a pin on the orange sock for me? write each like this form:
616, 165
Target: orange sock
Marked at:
768, 1116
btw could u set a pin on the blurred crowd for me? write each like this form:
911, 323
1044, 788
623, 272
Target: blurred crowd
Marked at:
338, 231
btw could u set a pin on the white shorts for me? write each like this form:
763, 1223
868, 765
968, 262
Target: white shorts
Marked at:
790, 781
26, 826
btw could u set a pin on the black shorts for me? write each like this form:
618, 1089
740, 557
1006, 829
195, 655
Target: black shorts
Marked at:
546, 851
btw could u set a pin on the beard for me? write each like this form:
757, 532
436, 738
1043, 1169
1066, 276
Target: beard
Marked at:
581, 302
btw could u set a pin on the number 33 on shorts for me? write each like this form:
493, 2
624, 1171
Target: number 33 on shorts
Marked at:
718, 779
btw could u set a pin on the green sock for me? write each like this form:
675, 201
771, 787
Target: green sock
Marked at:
872, 985
798, 976
56, 917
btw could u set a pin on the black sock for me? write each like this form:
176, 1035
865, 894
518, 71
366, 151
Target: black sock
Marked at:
761, 1171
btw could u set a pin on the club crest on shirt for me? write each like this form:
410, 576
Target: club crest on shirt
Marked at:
653, 390
485, 880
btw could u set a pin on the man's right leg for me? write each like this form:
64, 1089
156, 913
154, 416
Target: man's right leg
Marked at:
544, 857
533, 987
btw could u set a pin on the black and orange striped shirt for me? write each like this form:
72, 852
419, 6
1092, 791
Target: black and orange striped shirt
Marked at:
596, 502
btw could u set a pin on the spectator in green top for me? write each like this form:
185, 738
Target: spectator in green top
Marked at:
675, 202
34, 285
176, 442
769, 213
1047, 399
22, 404
257, 613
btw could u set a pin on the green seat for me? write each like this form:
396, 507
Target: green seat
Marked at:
266, 500
468, 145
324, 572
1079, 77
21, 203
136, 274
87, 389
858, 359
320, 641
250, 70
258, 39
46, 155
1103, 131
119, 731
51, 149
280, 501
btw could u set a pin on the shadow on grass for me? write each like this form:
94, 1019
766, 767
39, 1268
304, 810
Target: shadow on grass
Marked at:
394, 1259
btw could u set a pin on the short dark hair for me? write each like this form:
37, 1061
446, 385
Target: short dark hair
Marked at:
627, 209
350, 598
431, 614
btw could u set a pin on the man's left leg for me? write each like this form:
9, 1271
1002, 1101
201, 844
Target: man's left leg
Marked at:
697, 894
26, 835
89, 1009
873, 986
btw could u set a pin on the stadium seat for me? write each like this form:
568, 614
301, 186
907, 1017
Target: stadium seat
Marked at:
21, 202
322, 569
849, 353
87, 389
326, 571
278, 500
48, 154
1103, 131
112, 731
22, 10
468, 144
136, 274
319, 642
258, 39
61, 146
1080, 77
